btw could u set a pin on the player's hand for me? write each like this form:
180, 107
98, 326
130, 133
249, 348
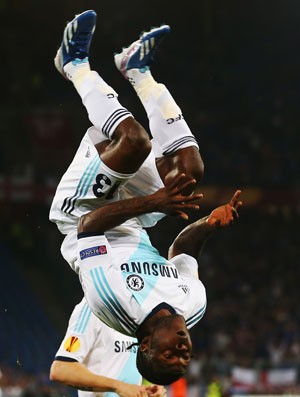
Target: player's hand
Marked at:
170, 199
227, 213
128, 390
156, 391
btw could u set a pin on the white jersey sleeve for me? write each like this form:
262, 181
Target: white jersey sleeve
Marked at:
99, 348
186, 265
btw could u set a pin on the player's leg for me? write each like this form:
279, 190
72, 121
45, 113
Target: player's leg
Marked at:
173, 143
127, 143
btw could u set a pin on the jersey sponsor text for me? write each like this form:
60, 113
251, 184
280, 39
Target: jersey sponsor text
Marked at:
121, 346
151, 269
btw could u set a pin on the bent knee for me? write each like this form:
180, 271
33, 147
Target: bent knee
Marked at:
197, 171
189, 162
133, 138
186, 161
136, 143
193, 163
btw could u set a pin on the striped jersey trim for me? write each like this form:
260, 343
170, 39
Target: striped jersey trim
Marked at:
176, 145
109, 125
83, 185
110, 301
190, 322
83, 319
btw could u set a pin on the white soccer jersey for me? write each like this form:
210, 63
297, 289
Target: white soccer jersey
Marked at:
99, 348
88, 184
124, 284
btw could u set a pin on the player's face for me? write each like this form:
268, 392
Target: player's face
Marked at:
171, 344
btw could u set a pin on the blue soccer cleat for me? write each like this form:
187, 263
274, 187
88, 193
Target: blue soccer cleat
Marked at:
140, 54
76, 41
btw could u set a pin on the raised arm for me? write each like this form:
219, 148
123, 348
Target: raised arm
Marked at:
192, 238
168, 200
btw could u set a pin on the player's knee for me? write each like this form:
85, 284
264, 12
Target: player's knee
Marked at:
190, 162
134, 139
137, 141
185, 161
198, 171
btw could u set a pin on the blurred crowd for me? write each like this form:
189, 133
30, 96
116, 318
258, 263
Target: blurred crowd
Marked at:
16, 383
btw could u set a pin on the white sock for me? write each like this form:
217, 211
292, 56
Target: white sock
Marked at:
167, 125
99, 99
72, 69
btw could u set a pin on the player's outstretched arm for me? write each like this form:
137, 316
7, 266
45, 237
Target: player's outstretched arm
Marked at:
77, 375
192, 238
168, 200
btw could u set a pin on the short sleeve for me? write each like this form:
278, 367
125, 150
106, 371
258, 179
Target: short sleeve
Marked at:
80, 336
186, 265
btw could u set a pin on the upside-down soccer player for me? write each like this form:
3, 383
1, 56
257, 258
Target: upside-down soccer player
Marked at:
114, 151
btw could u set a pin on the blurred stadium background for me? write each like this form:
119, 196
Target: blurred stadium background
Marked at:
233, 67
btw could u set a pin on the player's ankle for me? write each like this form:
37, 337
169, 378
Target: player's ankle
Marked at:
73, 70
135, 76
